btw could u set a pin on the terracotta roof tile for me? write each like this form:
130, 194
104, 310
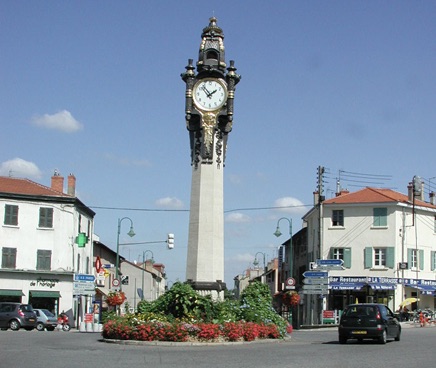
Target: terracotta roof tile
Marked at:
374, 195
26, 187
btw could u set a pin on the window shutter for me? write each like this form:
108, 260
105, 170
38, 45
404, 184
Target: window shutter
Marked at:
421, 259
433, 260
409, 257
347, 257
331, 253
368, 257
390, 257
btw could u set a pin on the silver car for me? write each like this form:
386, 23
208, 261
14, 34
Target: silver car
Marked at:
45, 320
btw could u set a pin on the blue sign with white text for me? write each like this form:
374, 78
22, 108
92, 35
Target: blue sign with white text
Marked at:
315, 274
83, 277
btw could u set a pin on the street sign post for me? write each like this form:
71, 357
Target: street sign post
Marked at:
316, 281
316, 274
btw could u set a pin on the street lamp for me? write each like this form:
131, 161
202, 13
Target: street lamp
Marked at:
256, 262
131, 233
145, 259
143, 267
278, 233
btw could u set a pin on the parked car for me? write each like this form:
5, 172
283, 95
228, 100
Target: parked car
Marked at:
45, 320
368, 321
16, 316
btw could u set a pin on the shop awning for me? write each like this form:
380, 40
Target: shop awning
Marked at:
9, 292
102, 290
380, 286
426, 289
346, 285
44, 294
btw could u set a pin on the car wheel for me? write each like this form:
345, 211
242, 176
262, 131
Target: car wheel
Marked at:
342, 340
14, 325
40, 326
383, 338
398, 337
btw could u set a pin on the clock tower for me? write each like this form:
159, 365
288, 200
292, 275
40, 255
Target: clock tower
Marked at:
209, 100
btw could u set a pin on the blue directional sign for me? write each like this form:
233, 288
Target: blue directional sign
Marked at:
330, 262
315, 274
84, 277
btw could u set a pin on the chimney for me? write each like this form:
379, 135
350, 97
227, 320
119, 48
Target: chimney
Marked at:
433, 198
57, 182
410, 192
71, 185
315, 198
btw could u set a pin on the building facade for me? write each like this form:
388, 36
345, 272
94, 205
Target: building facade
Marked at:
45, 240
387, 242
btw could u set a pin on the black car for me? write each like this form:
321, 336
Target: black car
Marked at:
16, 316
368, 321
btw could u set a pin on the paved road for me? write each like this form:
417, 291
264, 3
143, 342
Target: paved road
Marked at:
307, 349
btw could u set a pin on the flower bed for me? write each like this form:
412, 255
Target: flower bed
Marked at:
182, 332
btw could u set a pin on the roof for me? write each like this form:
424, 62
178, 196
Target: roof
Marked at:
375, 195
27, 187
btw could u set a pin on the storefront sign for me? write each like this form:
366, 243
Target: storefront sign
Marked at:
50, 283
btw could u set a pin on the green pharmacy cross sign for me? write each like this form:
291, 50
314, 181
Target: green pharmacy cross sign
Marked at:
81, 240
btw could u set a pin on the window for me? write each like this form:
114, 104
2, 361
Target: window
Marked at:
43, 260
11, 215
338, 218
342, 253
9, 257
379, 257
46, 217
415, 258
338, 253
380, 217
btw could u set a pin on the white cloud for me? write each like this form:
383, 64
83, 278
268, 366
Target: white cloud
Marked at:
18, 167
289, 205
237, 217
170, 203
62, 120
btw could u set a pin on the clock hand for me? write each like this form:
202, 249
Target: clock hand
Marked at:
205, 90
213, 92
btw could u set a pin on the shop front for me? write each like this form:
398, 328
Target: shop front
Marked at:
388, 291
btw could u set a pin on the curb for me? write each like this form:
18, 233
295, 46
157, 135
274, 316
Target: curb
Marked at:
193, 343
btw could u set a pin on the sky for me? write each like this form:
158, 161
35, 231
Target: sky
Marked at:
93, 88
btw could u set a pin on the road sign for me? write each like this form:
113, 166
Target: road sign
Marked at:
315, 287
108, 265
98, 264
316, 274
115, 282
84, 277
290, 281
330, 262
316, 281
319, 292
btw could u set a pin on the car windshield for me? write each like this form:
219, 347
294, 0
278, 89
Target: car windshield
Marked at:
47, 313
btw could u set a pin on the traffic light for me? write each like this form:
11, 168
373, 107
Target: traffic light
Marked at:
170, 241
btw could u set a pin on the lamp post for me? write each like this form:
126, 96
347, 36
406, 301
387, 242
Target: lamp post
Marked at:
131, 233
256, 262
278, 233
143, 267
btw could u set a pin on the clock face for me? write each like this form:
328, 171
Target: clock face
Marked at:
210, 94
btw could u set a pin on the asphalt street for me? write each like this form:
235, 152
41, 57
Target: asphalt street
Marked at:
306, 349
